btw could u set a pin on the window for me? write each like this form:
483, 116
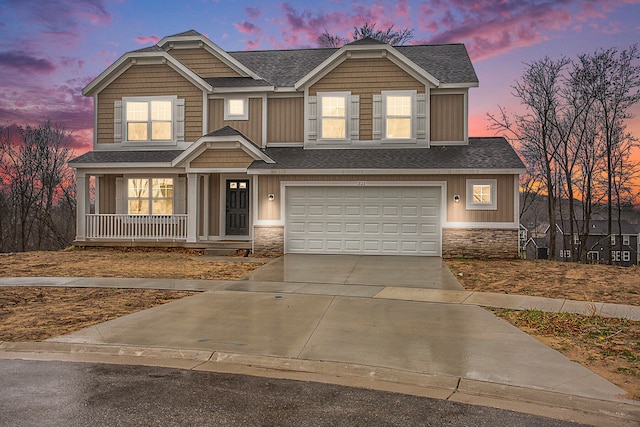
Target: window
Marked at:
625, 240
626, 256
236, 109
481, 194
398, 125
566, 253
615, 256
398, 114
150, 196
576, 238
613, 239
149, 120
333, 116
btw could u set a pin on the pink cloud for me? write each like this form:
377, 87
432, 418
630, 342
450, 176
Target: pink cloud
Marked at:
253, 12
152, 39
247, 28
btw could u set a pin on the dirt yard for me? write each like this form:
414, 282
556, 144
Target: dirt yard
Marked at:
610, 347
599, 283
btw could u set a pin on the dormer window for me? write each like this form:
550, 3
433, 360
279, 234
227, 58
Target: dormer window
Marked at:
398, 124
399, 114
149, 120
333, 115
236, 109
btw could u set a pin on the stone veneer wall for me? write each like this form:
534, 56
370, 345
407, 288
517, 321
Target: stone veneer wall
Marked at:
479, 243
268, 240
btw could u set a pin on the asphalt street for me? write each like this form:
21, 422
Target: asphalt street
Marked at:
82, 394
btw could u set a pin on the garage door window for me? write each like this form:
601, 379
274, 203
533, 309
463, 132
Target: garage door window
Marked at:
481, 194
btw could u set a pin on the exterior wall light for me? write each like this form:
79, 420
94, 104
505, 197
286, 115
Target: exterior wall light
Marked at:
271, 196
456, 198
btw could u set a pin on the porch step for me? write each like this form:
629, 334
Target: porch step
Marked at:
220, 252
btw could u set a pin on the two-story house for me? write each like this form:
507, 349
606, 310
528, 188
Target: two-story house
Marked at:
362, 149
624, 242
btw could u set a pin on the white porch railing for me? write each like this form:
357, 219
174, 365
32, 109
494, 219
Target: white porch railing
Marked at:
132, 227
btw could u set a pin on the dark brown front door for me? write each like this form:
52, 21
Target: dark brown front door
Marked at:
237, 207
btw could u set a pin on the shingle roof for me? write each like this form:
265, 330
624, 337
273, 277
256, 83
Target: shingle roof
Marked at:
282, 68
599, 227
481, 153
449, 63
235, 82
159, 156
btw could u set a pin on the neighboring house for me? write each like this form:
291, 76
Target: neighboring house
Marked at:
362, 149
536, 248
624, 251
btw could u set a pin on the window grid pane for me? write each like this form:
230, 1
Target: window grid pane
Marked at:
333, 128
398, 128
149, 120
137, 111
333, 106
482, 194
236, 107
150, 196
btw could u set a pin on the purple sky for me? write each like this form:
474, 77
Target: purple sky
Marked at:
49, 50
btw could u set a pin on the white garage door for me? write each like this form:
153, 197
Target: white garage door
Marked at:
368, 220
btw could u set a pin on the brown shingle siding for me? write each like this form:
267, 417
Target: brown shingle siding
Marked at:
203, 63
366, 77
150, 80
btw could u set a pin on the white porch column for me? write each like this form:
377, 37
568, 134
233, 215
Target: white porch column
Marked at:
82, 192
193, 184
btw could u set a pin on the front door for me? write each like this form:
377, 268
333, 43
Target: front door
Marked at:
237, 207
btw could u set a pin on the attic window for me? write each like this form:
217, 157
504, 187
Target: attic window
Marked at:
482, 194
236, 109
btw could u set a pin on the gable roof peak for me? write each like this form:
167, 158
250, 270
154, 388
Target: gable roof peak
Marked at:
188, 33
365, 40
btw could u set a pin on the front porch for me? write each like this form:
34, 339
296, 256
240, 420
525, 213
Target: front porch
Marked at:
206, 211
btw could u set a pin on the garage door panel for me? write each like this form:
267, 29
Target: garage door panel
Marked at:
375, 220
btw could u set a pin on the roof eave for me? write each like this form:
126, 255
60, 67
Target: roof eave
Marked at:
243, 89
380, 171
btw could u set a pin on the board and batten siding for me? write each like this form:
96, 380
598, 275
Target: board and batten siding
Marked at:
251, 128
107, 194
456, 185
222, 159
203, 63
366, 77
150, 80
447, 117
285, 119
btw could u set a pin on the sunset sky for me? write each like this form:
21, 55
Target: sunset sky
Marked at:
50, 49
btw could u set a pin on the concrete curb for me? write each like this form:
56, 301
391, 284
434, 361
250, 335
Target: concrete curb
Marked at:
613, 412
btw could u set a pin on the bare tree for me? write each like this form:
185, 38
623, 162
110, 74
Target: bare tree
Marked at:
614, 80
36, 179
535, 130
330, 40
389, 36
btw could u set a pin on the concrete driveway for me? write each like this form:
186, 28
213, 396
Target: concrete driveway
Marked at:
454, 341
379, 270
